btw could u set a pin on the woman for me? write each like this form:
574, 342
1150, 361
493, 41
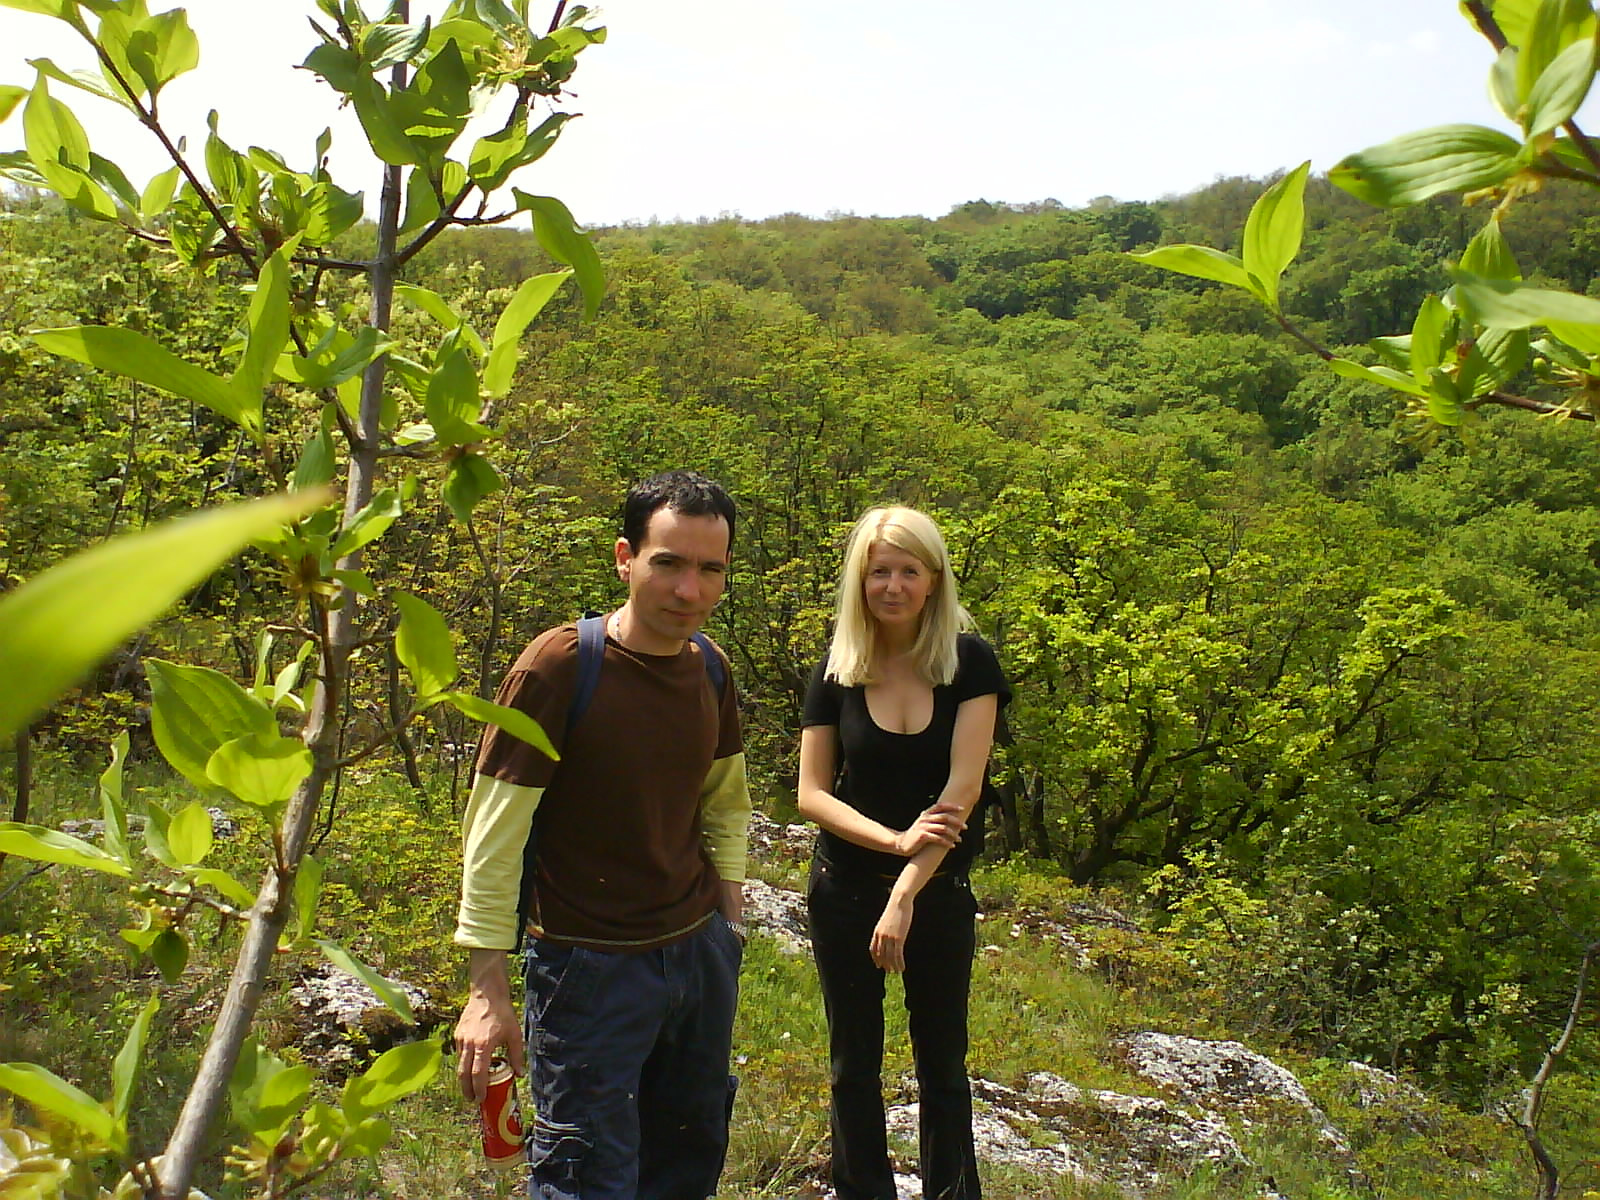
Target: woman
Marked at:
897, 728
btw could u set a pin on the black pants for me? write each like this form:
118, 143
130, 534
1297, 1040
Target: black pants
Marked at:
939, 951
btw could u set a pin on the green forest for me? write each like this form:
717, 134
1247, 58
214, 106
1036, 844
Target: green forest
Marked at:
1303, 664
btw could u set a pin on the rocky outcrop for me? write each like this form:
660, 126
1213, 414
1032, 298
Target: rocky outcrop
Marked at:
772, 842
778, 912
1223, 1075
223, 827
341, 1023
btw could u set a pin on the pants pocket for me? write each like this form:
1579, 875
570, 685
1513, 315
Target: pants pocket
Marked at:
556, 1152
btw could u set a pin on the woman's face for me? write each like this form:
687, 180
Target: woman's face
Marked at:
897, 585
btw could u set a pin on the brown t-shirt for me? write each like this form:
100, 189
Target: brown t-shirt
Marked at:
619, 863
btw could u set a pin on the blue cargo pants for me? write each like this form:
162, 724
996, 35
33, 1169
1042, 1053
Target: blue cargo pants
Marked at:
628, 1067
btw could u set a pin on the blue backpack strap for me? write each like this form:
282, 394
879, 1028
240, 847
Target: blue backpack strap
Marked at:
591, 653
715, 667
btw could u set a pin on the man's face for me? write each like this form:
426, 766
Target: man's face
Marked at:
674, 579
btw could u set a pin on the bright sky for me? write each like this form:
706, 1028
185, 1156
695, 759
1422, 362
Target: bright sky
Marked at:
878, 107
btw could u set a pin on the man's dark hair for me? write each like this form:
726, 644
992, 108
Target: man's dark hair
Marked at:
688, 492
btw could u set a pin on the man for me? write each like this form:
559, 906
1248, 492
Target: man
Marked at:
633, 912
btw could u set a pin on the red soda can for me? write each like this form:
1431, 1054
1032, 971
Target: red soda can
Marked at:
501, 1118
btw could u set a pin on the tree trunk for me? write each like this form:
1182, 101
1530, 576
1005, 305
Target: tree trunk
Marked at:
1041, 831
275, 904
22, 745
402, 737
1005, 803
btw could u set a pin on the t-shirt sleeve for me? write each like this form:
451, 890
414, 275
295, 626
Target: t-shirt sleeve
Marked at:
822, 699
541, 684
978, 672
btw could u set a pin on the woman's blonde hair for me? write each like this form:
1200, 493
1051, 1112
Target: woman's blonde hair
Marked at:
855, 631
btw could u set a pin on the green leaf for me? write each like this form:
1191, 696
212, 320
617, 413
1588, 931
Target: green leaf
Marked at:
368, 1138
497, 157
307, 888
10, 96
268, 333
1515, 18
162, 48
226, 885
190, 834
282, 1094
170, 953
513, 720
88, 81
350, 357
1504, 353
330, 211
158, 193
391, 995
379, 119
195, 710
59, 150
48, 8
1395, 351
1444, 399
1203, 263
358, 582
1508, 304
390, 44
1488, 254
1556, 26
112, 179
113, 810
558, 234
471, 478
422, 203
436, 307
40, 844
55, 627
125, 1070
1503, 84
261, 768
452, 401
370, 524
232, 175
1386, 376
130, 353
1429, 334
1273, 230
253, 1071
340, 68
530, 299
423, 643
1561, 90
317, 464
50, 1093
157, 821
1581, 337
1446, 158
397, 1073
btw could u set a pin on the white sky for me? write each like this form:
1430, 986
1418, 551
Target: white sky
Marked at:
877, 107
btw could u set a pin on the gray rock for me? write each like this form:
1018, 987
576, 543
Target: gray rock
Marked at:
769, 840
341, 1023
1224, 1075
779, 912
223, 827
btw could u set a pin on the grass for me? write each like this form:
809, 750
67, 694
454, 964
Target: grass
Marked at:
68, 990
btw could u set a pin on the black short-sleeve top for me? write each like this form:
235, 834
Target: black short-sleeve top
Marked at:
891, 777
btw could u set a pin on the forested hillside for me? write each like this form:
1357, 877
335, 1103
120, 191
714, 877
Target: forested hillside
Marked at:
1311, 683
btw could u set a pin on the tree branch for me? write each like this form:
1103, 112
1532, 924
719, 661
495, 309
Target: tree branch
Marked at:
1543, 408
